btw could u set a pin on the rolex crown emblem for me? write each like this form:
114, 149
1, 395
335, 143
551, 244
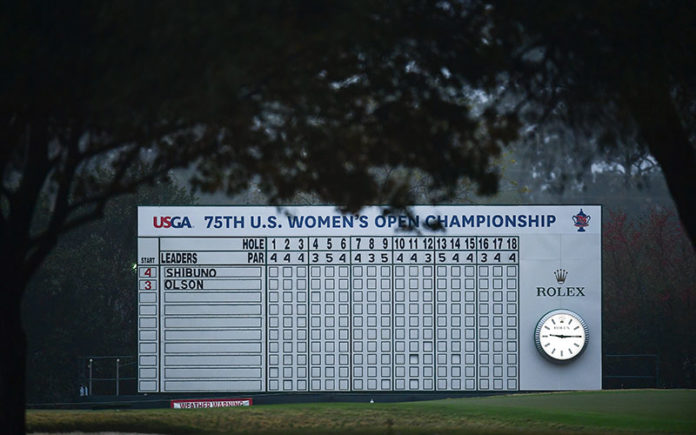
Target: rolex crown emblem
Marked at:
561, 275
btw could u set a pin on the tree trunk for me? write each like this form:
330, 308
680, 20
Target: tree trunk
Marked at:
661, 128
12, 362
678, 165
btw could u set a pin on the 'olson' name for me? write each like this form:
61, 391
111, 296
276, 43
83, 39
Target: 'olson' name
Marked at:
183, 284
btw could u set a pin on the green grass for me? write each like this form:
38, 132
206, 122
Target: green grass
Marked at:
629, 411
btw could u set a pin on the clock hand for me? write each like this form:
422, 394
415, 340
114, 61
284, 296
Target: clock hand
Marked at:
565, 336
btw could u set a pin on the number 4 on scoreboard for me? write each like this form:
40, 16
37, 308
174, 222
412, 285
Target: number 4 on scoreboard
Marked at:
147, 272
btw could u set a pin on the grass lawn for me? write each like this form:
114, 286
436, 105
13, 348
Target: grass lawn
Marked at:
644, 411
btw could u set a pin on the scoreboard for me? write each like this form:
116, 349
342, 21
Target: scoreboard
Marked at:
298, 299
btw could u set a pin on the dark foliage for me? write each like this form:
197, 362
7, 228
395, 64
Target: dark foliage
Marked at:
649, 270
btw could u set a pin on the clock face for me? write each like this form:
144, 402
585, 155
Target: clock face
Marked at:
561, 335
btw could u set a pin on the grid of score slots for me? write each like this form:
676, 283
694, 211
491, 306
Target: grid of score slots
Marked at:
392, 250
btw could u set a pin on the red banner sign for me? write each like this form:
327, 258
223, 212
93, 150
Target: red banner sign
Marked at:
209, 403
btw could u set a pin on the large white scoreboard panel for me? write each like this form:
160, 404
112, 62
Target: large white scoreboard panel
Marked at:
261, 299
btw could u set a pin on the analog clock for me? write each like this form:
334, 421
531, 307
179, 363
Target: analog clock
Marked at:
561, 335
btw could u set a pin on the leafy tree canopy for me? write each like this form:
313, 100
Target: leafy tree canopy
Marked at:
312, 96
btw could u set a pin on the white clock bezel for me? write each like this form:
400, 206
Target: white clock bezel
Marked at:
538, 331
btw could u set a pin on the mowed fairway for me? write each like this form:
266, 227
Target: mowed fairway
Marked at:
644, 411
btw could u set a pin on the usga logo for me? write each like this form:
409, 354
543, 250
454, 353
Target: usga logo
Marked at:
171, 221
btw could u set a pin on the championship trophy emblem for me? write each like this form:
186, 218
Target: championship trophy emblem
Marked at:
581, 220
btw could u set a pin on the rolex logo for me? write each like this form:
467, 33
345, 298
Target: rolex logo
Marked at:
560, 291
560, 275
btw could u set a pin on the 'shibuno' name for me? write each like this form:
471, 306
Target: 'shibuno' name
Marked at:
190, 272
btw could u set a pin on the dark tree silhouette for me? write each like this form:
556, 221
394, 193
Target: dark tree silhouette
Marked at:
313, 96
80, 301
